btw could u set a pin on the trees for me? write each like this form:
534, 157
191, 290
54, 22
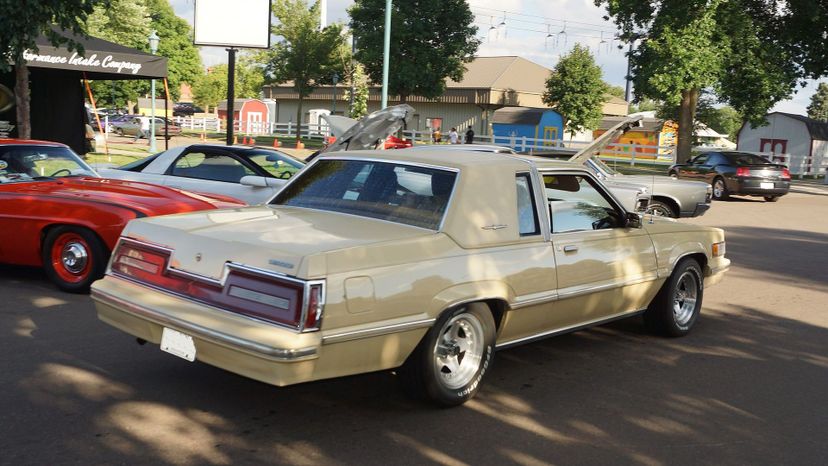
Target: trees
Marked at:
818, 110
431, 40
732, 48
360, 86
19, 28
575, 89
211, 88
302, 53
183, 59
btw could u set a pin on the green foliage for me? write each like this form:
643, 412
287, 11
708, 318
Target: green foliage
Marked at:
183, 60
576, 91
644, 104
360, 83
723, 119
302, 53
431, 40
818, 110
21, 24
124, 22
211, 88
616, 91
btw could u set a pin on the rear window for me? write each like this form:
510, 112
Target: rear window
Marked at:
740, 158
399, 193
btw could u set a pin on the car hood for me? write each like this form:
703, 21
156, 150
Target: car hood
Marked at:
372, 130
145, 198
276, 238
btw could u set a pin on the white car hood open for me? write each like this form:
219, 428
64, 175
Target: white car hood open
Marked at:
372, 130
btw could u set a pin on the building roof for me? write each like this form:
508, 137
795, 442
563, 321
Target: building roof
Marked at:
519, 115
817, 129
508, 72
237, 104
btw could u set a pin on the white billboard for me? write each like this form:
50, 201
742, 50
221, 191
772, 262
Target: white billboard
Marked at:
236, 23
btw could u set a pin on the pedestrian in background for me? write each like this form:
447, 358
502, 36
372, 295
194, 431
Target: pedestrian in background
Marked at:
143, 129
470, 136
453, 136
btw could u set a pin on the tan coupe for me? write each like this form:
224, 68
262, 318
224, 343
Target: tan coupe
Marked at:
424, 262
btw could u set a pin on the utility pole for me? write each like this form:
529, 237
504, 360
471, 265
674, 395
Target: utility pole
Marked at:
386, 50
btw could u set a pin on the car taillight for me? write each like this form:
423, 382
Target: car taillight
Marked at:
316, 302
742, 171
786, 174
247, 291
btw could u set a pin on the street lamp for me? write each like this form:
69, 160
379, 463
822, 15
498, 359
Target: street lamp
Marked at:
153, 44
335, 78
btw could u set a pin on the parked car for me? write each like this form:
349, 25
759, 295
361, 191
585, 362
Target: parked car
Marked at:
250, 174
186, 109
131, 126
56, 212
376, 260
669, 196
733, 172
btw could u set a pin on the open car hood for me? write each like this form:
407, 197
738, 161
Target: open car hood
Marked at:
338, 124
372, 130
606, 139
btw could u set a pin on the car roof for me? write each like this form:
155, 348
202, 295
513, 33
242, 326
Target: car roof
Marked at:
457, 159
31, 142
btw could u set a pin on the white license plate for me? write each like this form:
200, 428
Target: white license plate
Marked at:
179, 344
766, 185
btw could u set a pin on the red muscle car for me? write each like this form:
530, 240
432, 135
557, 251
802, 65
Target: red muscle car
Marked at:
56, 212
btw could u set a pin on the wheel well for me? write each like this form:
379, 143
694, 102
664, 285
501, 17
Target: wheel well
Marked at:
498, 308
699, 257
670, 202
45, 231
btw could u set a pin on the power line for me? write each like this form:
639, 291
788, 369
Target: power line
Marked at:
500, 12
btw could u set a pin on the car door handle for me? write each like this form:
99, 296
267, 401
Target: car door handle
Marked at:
570, 248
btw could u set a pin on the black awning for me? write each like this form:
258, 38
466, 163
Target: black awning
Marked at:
100, 59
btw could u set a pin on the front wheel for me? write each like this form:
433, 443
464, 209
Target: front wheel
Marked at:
673, 174
677, 305
73, 258
660, 209
451, 360
771, 198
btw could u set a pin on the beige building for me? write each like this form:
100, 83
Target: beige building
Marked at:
489, 83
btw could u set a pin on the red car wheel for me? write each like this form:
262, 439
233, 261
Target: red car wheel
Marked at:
73, 258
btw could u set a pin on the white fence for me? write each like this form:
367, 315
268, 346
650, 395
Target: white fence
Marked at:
309, 131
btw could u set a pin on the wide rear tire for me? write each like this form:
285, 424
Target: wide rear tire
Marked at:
73, 258
676, 307
448, 365
771, 198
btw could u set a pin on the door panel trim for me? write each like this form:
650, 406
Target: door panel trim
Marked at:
567, 329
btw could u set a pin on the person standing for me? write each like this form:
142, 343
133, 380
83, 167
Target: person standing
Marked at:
143, 128
453, 136
470, 136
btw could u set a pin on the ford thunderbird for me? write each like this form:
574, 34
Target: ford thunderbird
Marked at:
413, 261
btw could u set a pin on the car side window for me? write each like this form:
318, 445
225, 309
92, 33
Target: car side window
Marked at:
527, 213
576, 204
716, 159
210, 166
701, 159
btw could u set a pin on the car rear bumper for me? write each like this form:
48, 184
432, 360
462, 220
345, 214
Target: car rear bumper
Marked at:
753, 187
245, 346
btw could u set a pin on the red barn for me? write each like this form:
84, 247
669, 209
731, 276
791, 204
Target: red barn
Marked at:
250, 115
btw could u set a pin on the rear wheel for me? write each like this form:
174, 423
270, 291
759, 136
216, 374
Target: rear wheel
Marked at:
451, 360
720, 192
676, 307
661, 209
673, 174
73, 258
119, 131
771, 198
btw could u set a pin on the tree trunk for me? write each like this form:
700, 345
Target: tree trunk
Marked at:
299, 117
687, 116
22, 101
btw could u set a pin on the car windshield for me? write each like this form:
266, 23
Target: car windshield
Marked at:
276, 163
19, 163
741, 158
602, 166
411, 195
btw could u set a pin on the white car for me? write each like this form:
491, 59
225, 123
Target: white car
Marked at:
249, 174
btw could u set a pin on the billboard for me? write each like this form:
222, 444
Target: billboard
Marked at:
237, 23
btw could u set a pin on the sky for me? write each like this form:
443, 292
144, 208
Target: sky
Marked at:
538, 30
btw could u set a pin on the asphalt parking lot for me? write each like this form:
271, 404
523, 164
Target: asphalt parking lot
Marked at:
748, 386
